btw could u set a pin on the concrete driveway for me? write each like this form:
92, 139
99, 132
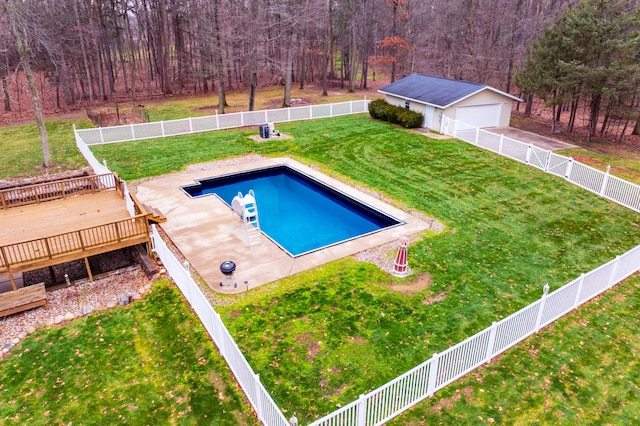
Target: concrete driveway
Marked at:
540, 141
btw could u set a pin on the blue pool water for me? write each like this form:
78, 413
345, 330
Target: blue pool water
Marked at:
295, 211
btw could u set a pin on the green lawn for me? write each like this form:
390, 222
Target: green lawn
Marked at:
321, 338
22, 152
150, 363
584, 369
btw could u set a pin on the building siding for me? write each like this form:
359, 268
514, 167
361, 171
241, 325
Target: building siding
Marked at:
483, 98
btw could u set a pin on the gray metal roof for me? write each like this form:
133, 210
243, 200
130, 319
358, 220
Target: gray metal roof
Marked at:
437, 91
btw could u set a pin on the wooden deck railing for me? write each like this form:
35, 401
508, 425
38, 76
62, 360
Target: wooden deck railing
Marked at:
84, 241
34, 194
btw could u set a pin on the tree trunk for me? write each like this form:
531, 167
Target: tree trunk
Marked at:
594, 114
166, 49
325, 76
303, 59
286, 101
84, 50
636, 128
572, 115
5, 94
19, 29
253, 55
529, 106
222, 100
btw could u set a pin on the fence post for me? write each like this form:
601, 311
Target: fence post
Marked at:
350, 107
501, 142
331, 110
576, 302
567, 174
603, 188
220, 341
613, 273
546, 163
217, 121
266, 116
190, 125
433, 374
288, 113
529, 150
162, 127
361, 411
258, 398
492, 342
101, 135
545, 292
241, 119
133, 132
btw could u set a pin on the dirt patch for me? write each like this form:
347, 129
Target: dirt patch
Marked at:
295, 102
313, 351
277, 137
421, 282
436, 298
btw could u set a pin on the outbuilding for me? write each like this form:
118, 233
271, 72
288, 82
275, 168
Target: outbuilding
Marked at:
475, 104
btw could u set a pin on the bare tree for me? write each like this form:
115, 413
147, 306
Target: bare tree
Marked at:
17, 13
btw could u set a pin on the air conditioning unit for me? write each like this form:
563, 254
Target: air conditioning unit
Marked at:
264, 131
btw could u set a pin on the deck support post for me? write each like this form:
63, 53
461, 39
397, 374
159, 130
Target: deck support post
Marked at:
86, 263
52, 274
13, 282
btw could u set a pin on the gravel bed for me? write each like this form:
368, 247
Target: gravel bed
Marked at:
68, 303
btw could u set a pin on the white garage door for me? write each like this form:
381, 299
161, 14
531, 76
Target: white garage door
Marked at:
479, 115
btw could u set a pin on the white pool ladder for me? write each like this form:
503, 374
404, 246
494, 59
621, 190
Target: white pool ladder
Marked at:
251, 222
247, 209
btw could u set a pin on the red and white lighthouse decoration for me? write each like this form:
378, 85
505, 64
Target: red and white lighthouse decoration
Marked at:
400, 265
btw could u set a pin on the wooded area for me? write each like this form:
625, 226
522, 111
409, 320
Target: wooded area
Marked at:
91, 51
101, 49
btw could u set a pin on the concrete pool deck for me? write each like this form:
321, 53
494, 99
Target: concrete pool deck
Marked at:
207, 233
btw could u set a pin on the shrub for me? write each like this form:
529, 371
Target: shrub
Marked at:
376, 109
382, 110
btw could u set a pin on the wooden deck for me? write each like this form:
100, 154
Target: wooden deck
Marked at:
74, 227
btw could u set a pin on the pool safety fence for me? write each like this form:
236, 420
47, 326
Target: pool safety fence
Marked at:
266, 410
159, 129
599, 182
388, 401
393, 398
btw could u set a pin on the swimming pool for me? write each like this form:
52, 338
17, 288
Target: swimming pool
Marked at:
297, 212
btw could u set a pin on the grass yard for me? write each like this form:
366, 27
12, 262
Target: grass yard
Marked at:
269, 97
22, 152
583, 369
321, 338
150, 363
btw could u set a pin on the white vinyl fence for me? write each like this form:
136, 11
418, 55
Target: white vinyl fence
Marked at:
267, 411
601, 183
395, 397
400, 394
159, 129
102, 169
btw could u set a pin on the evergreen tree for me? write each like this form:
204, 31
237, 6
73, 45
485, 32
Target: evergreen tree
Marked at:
590, 55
